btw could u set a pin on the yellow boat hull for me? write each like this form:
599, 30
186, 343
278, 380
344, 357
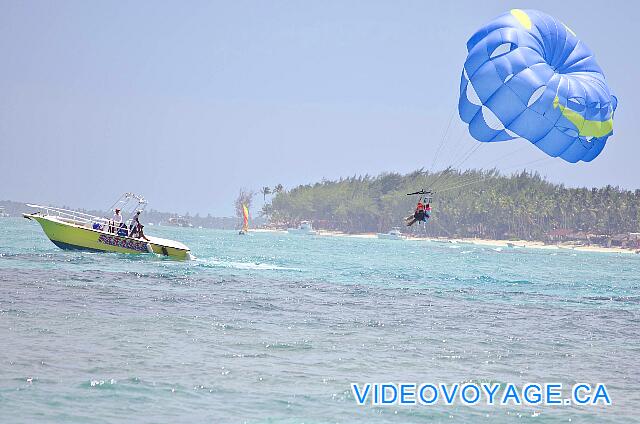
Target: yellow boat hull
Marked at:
70, 236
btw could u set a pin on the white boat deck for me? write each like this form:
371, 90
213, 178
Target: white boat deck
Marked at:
166, 242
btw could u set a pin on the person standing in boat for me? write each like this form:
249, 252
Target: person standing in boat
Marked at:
116, 221
141, 234
135, 225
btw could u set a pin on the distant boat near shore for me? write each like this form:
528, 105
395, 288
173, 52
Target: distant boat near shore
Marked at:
179, 221
305, 228
393, 234
245, 221
439, 240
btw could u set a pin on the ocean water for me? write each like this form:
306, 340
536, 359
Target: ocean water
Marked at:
274, 328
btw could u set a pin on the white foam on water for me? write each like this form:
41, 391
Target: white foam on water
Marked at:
245, 265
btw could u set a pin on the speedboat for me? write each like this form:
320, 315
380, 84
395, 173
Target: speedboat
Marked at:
304, 228
394, 234
3, 214
73, 230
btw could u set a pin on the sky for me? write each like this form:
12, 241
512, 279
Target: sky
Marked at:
188, 102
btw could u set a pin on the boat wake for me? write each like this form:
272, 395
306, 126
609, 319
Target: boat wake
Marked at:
215, 263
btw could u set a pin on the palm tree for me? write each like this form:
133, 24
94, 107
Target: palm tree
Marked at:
265, 190
520, 205
267, 209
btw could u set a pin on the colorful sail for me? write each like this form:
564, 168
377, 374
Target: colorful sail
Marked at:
245, 217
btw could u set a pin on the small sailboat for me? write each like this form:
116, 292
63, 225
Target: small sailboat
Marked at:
245, 220
74, 230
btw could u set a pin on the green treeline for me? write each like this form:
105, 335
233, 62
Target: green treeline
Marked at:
465, 204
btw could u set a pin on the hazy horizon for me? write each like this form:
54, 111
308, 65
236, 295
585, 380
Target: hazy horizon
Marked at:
188, 103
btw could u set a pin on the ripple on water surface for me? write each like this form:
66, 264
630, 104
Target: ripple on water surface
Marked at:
273, 327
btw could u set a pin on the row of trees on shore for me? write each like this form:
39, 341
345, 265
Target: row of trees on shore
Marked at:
472, 203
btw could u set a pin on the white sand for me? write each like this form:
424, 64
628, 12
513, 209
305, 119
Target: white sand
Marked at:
480, 242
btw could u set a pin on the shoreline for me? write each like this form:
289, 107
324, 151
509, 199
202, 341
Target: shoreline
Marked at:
510, 244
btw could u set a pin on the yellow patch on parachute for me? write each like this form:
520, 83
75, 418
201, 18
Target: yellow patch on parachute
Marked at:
522, 17
586, 128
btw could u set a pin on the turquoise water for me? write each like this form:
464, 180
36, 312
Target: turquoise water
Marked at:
274, 328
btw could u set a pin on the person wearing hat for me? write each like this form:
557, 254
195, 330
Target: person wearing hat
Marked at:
115, 221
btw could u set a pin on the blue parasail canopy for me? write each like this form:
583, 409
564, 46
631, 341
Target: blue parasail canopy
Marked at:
528, 75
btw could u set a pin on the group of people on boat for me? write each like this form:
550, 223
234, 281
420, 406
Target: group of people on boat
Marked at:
116, 225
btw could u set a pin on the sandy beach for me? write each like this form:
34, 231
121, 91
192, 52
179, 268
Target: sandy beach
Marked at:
515, 244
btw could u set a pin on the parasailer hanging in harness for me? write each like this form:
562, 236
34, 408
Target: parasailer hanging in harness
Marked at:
422, 212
